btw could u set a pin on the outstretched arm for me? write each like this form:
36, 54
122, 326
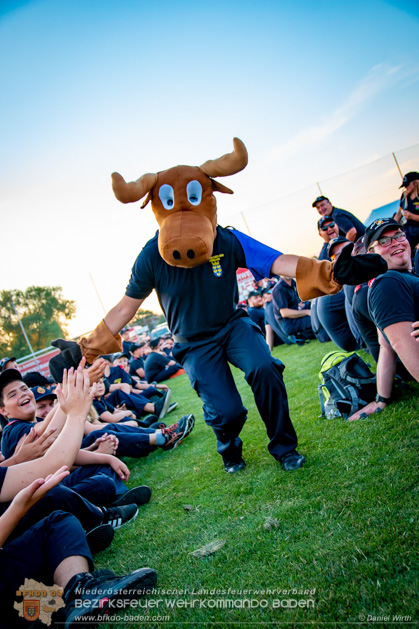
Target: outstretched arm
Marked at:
64, 449
122, 313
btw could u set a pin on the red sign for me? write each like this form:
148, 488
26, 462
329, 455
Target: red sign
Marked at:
40, 364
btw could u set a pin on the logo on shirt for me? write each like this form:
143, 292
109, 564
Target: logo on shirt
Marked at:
216, 266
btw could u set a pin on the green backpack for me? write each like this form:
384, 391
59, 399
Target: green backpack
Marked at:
346, 384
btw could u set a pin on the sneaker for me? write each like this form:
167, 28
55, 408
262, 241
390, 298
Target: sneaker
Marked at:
232, 468
292, 461
157, 425
172, 407
87, 596
160, 407
177, 432
100, 538
137, 496
118, 516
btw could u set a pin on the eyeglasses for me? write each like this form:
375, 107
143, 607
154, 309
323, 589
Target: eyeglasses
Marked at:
385, 241
327, 226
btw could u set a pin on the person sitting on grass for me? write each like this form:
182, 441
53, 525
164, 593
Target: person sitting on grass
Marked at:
159, 367
97, 477
393, 302
40, 553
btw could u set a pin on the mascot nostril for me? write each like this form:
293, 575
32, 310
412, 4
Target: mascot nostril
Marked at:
191, 254
176, 255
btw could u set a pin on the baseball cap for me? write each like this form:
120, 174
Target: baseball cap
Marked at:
135, 346
254, 293
335, 241
40, 393
374, 231
120, 355
3, 362
408, 178
36, 379
9, 375
323, 220
316, 201
154, 342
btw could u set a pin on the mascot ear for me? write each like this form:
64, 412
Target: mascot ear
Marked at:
218, 187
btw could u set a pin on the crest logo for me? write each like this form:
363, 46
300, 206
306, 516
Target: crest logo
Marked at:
216, 266
31, 609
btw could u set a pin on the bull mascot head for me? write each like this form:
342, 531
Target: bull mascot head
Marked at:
184, 205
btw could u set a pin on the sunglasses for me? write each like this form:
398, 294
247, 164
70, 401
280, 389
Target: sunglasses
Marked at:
327, 226
385, 241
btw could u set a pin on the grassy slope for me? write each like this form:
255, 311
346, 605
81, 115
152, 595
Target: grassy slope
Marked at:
344, 525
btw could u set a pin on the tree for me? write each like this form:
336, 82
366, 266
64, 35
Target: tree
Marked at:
43, 312
147, 317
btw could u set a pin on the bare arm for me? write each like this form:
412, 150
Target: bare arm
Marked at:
290, 313
351, 234
285, 264
386, 369
64, 449
269, 336
405, 346
122, 313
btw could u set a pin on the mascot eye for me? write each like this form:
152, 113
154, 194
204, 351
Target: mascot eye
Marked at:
167, 196
194, 192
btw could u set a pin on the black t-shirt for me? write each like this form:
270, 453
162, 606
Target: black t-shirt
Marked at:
12, 433
346, 221
394, 297
323, 253
412, 205
118, 375
154, 364
258, 316
284, 296
363, 320
135, 363
198, 302
102, 405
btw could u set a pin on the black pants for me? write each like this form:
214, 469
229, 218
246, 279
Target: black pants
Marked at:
242, 344
36, 555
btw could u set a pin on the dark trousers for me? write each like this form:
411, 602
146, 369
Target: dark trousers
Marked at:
134, 442
132, 401
59, 498
97, 483
332, 315
36, 555
242, 344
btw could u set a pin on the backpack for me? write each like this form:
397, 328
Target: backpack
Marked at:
346, 384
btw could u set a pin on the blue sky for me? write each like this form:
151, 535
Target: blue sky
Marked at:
314, 89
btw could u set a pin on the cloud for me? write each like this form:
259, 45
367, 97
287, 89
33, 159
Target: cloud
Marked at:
379, 78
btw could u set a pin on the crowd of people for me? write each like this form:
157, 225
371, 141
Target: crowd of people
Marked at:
61, 473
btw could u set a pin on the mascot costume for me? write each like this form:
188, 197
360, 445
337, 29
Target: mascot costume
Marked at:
191, 263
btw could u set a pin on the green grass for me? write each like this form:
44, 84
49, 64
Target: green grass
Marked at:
342, 528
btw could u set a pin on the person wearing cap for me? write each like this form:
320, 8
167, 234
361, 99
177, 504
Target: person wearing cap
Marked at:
256, 310
8, 363
45, 400
328, 230
54, 549
349, 225
291, 314
136, 363
408, 212
159, 367
393, 301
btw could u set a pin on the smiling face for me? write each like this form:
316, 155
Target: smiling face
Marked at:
331, 231
324, 208
18, 401
397, 254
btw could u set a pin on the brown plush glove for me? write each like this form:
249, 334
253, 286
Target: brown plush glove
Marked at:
100, 341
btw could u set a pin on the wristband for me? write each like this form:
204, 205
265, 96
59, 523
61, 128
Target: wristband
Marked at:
384, 400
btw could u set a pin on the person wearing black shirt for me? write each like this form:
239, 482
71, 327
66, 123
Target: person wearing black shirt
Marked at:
350, 226
393, 302
159, 367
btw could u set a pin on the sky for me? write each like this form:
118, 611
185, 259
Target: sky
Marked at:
320, 92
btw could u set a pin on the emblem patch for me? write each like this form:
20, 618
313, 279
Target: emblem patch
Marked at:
216, 266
